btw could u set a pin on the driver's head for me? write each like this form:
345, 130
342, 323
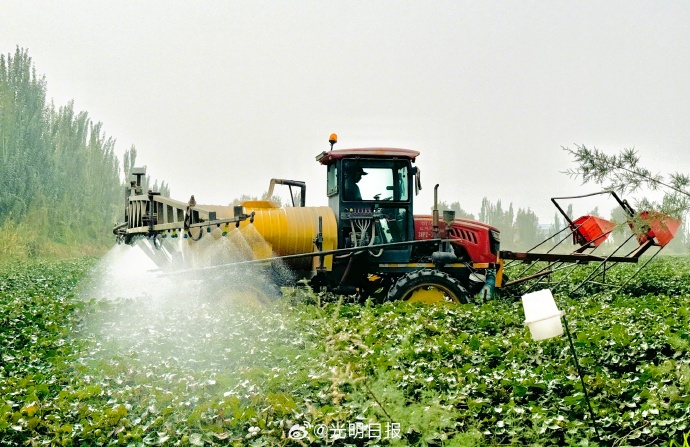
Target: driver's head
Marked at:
357, 173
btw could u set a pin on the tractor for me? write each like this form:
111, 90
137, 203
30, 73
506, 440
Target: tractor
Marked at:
368, 241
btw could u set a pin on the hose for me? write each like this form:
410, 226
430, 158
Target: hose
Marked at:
373, 236
201, 233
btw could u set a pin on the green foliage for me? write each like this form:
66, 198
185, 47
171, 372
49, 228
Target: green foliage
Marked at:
455, 206
59, 176
664, 276
275, 198
519, 231
204, 372
129, 162
622, 172
685, 441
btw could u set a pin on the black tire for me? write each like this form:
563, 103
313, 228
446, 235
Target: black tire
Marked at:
376, 290
428, 286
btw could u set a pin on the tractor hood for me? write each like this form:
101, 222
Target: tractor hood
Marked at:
479, 240
423, 218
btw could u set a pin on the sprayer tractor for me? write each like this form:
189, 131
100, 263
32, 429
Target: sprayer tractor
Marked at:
368, 241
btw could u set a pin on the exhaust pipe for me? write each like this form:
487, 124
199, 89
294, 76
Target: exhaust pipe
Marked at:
434, 218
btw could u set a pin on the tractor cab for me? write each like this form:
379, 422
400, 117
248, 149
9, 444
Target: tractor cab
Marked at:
370, 191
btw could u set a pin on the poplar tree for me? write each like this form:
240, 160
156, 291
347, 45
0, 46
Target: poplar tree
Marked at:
455, 206
59, 175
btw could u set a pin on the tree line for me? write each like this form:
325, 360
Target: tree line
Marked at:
60, 180
520, 229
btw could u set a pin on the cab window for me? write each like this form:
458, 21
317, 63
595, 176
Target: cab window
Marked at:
332, 180
375, 181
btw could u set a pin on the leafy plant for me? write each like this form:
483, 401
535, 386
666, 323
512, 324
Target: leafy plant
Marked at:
179, 368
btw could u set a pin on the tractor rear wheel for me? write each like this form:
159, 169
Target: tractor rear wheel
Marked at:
428, 286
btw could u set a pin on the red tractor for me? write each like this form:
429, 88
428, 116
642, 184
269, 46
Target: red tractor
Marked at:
367, 242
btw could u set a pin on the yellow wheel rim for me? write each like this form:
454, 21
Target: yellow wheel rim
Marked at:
430, 294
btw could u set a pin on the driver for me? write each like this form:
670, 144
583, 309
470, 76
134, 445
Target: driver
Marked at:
351, 179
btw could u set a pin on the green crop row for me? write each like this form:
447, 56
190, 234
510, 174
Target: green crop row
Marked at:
194, 369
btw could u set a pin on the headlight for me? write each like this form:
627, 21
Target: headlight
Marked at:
495, 241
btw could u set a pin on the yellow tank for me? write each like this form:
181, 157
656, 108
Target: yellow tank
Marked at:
281, 231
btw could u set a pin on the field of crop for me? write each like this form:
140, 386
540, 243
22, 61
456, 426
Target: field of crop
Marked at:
182, 368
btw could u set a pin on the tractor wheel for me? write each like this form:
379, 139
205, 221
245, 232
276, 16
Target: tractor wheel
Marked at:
428, 286
376, 289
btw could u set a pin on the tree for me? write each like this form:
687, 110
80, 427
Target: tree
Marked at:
620, 218
526, 228
519, 231
246, 197
493, 214
22, 123
129, 161
455, 206
59, 175
623, 173
557, 223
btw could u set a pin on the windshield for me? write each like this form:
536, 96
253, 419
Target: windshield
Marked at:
371, 180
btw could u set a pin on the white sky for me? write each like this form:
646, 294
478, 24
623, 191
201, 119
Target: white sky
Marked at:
220, 96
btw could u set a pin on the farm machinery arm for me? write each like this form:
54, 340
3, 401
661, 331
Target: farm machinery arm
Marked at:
590, 232
150, 215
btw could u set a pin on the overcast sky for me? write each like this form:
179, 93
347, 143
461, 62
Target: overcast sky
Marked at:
220, 96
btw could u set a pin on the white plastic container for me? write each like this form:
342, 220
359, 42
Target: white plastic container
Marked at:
542, 315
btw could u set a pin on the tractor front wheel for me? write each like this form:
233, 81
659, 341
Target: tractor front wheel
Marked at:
428, 286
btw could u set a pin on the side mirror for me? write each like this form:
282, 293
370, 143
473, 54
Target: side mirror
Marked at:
417, 180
